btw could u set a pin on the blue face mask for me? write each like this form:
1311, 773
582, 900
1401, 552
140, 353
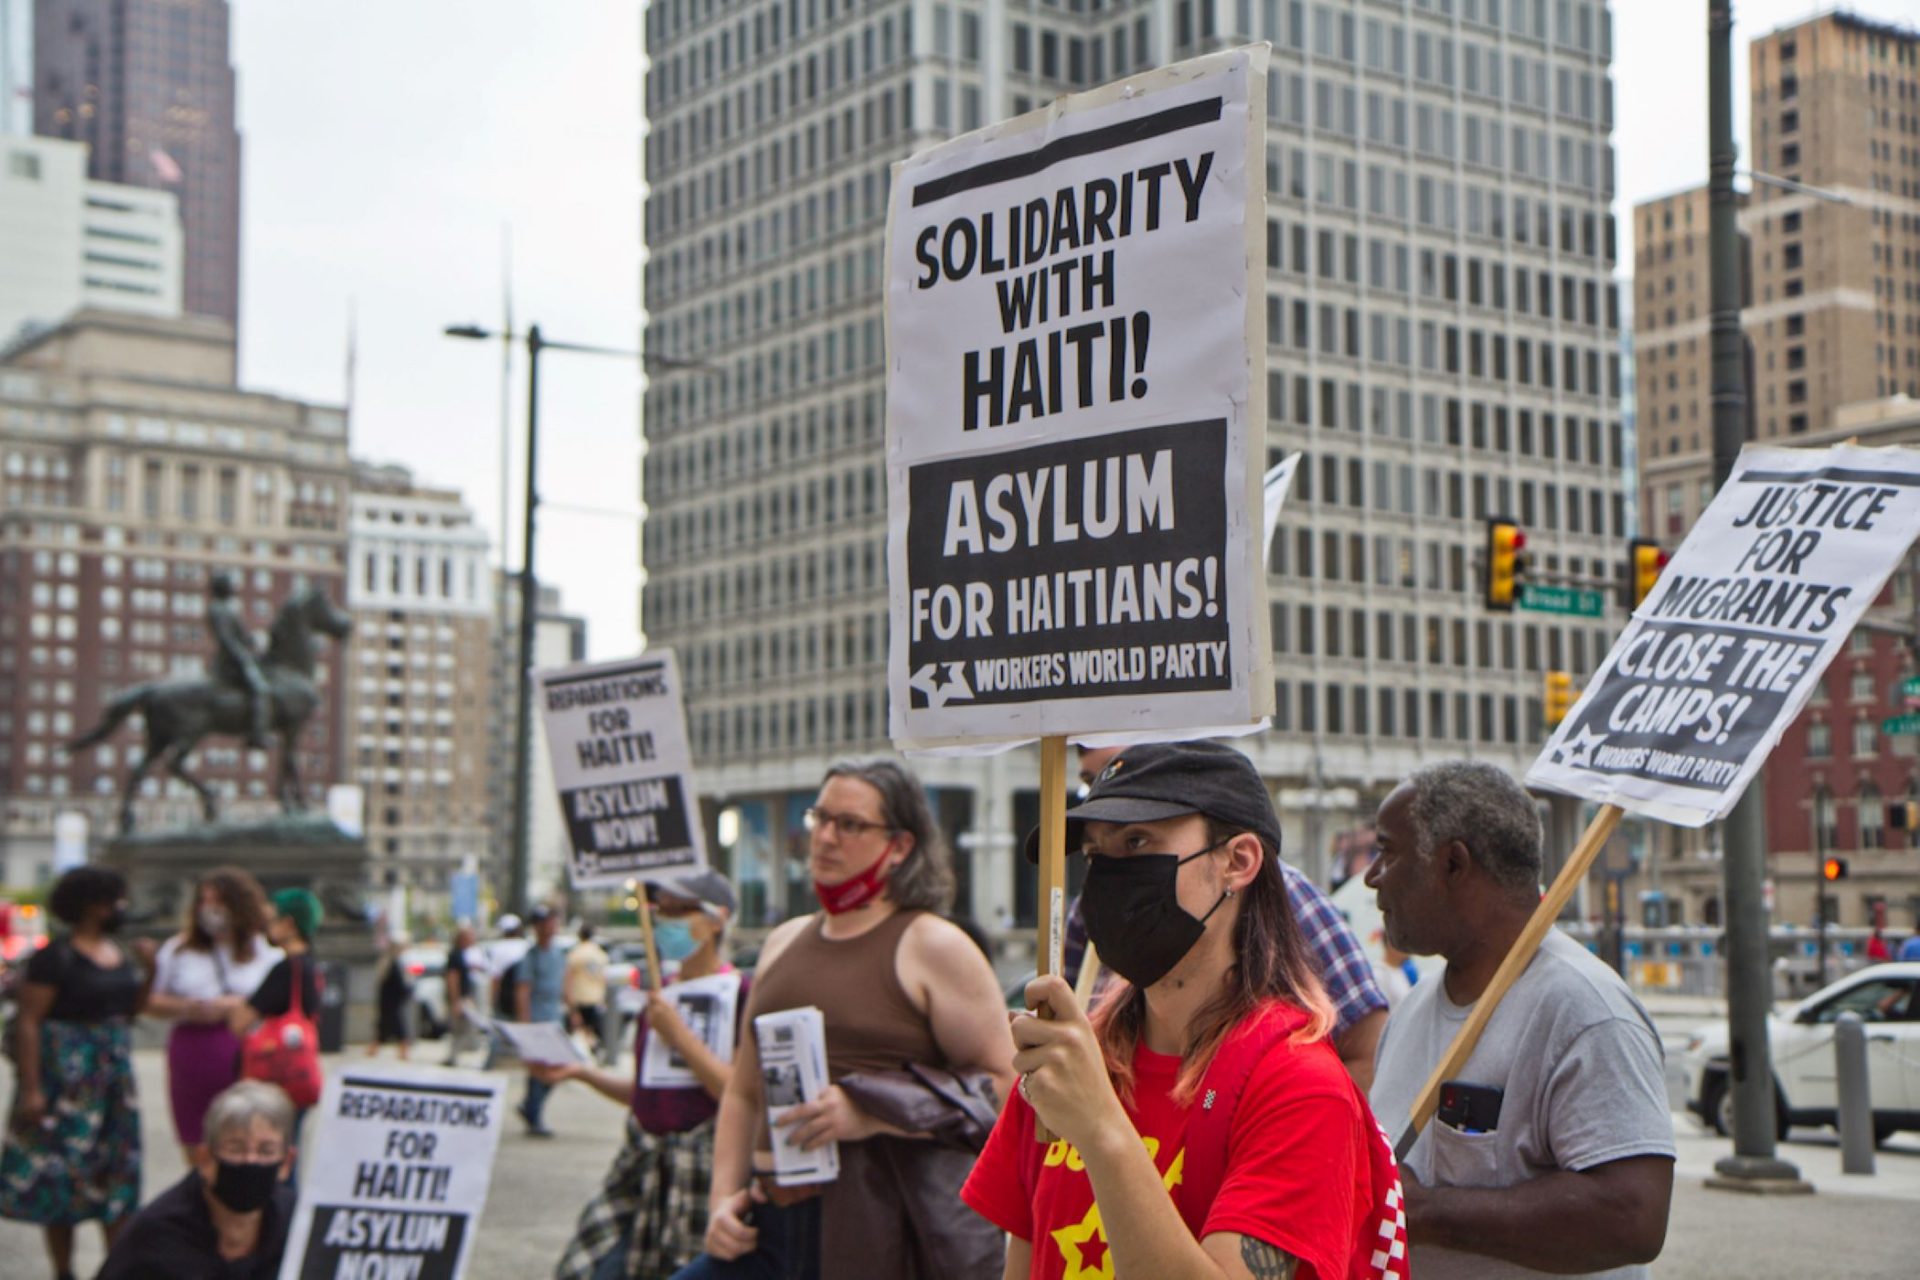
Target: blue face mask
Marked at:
674, 940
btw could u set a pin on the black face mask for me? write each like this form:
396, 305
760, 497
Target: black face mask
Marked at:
1134, 917
245, 1188
114, 921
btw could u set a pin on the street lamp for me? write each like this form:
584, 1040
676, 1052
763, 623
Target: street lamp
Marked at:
518, 868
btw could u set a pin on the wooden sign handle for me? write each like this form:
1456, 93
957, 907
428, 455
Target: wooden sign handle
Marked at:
653, 952
1089, 977
1053, 867
1519, 956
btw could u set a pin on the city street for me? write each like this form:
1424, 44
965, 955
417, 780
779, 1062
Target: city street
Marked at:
1859, 1227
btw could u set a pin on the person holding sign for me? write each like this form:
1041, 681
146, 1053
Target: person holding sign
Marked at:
896, 985
229, 1216
1552, 1151
650, 1215
1217, 1026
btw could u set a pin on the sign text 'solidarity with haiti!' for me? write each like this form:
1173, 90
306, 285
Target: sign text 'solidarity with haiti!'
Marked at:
1073, 422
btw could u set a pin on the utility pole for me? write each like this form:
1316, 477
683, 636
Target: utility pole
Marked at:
1753, 1166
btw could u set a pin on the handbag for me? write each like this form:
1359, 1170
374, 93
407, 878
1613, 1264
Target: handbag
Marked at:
953, 1110
285, 1050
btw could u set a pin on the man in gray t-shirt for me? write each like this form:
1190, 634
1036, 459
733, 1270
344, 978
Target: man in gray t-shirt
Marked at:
1574, 1175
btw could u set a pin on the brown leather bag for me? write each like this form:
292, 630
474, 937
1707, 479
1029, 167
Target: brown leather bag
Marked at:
954, 1110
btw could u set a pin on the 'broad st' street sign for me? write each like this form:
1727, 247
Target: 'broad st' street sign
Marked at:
1568, 600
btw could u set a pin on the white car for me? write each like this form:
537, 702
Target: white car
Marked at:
1887, 998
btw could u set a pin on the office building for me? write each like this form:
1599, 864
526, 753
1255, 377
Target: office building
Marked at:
16, 66
148, 86
68, 242
1442, 343
131, 467
1831, 319
420, 699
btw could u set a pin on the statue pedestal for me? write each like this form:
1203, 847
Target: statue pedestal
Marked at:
297, 851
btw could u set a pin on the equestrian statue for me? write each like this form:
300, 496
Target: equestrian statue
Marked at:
247, 694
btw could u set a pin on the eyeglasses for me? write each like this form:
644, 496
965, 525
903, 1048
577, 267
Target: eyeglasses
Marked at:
847, 826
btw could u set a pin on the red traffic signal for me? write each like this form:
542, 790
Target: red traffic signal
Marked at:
1645, 560
1506, 562
1833, 869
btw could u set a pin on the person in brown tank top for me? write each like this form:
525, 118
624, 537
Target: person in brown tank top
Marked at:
896, 984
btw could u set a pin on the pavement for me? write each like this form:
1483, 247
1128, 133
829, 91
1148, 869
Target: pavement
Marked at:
1863, 1228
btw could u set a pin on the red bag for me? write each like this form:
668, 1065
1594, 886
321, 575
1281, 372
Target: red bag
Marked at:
285, 1050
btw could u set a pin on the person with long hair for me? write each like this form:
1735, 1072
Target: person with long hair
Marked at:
200, 976
896, 984
72, 1150
1204, 1125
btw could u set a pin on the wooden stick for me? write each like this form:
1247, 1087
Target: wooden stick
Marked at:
1519, 956
653, 952
1053, 868
1089, 977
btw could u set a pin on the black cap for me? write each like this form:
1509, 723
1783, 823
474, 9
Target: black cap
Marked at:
1170, 780
540, 914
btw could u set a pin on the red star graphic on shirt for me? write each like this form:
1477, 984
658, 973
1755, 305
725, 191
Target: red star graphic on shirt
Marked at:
1083, 1248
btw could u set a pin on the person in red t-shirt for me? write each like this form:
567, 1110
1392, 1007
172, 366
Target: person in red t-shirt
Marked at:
1205, 1126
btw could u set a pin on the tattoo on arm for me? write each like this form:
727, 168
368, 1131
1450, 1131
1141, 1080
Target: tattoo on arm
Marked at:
1265, 1262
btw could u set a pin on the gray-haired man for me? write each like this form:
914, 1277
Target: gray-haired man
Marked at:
1563, 1162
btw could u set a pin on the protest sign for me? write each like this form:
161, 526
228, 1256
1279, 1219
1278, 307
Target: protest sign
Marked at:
398, 1175
1729, 645
617, 734
1073, 422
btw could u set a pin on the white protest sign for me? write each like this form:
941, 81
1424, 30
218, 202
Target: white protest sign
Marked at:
618, 737
1727, 648
1074, 420
396, 1177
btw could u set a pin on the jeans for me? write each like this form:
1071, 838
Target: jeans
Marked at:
789, 1248
535, 1102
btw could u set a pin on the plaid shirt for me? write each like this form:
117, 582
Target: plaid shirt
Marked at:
1343, 965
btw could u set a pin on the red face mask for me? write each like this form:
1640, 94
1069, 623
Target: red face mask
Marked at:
855, 891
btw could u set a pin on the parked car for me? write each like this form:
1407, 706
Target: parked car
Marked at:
1887, 998
427, 971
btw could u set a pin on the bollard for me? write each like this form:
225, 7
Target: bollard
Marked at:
1855, 1098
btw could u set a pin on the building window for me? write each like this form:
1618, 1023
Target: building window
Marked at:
1819, 740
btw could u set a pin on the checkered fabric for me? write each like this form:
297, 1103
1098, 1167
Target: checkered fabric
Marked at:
653, 1204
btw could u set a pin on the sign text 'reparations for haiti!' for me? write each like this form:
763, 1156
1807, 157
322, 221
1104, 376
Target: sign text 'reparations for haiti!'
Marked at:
399, 1181
617, 735
1073, 422
1728, 647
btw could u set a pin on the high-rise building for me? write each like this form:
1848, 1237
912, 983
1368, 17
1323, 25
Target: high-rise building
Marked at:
420, 699
148, 86
1830, 316
68, 242
1442, 344
131, 467
1831, 308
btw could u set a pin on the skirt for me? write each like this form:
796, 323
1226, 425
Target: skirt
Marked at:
86, 1163
202, 1059
652, 1203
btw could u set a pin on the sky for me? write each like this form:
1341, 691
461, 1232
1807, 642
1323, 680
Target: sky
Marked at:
390, 149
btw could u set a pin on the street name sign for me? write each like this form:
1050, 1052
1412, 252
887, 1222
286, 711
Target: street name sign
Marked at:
1573, 601
1900, 724
1076, 416
1729, 645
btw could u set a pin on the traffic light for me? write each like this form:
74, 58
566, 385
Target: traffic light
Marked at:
1559, 698
1833, 869
1506, 562
1645, 560
1903, 815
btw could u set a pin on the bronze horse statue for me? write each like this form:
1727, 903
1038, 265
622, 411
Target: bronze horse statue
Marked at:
179, 713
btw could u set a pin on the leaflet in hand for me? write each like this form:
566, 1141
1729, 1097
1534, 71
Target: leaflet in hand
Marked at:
793, 1070
707, 1006
542, 1042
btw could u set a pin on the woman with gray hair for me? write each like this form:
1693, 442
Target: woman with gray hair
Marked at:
904, 994
229, 1216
